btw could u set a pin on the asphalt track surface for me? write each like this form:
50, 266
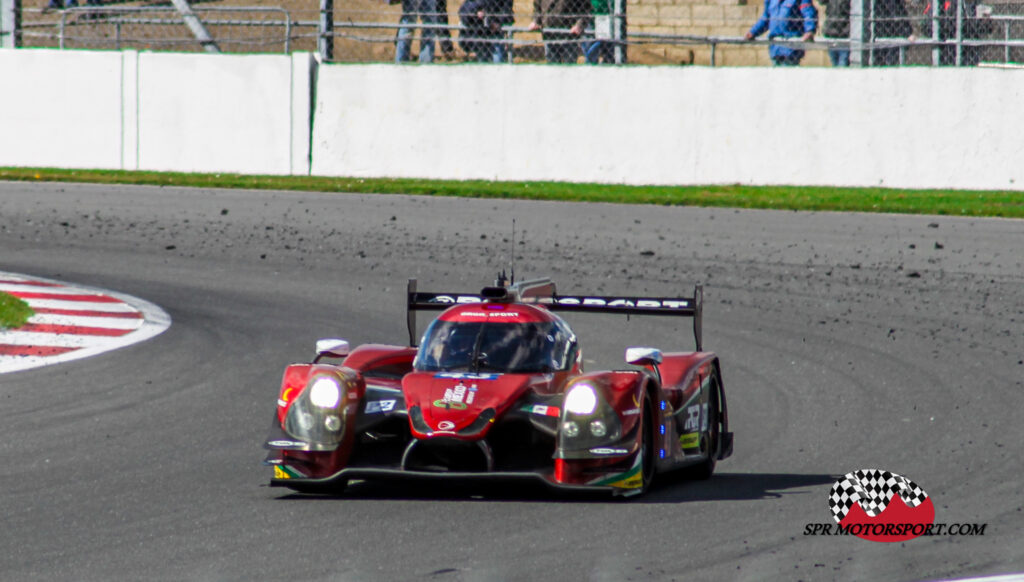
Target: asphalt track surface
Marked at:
848, 341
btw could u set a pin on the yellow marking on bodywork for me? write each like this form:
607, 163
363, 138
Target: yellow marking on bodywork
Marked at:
634, 481
280, 473
689, 440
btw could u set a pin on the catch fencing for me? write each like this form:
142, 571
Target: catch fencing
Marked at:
678, 32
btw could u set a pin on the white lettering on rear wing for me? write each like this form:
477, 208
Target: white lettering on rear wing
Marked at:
673, 306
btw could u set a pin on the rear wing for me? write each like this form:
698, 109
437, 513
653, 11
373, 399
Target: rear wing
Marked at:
542, 292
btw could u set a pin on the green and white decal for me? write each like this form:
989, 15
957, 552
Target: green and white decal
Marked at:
631, 479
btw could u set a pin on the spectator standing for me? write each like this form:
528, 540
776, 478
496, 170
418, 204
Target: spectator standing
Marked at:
428, 12
786, 19
560, 45
481, 34
602, 48
444, 36
890, 21
974, 26
837, 26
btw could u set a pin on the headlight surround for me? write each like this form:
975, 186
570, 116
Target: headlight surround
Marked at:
588, 420
317, 416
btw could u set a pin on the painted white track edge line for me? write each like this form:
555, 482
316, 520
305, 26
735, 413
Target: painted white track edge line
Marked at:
57, 340
79, 305
995, 578
86, 321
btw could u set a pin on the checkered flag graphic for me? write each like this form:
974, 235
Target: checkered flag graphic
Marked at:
873, 490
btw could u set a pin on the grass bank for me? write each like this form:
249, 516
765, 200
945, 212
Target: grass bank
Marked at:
13, 311
944, 202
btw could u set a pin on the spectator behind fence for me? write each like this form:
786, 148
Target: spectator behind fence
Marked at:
428, 12
444, 36
481, 29
974, 25
891, 21
602, 48
786, 19
837, 26
560, 46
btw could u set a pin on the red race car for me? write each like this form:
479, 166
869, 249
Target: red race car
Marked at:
496, 390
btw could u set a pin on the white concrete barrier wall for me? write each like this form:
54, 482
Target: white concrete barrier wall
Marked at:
226, 113
60, 112
156, 111
904, 128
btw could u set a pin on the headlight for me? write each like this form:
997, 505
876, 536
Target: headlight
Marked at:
581, 399
332, 423
570, 429
325, 393
317, 415
587, 421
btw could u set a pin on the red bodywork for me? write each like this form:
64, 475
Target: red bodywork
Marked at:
389, 420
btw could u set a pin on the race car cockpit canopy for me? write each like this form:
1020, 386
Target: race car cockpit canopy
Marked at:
496, 337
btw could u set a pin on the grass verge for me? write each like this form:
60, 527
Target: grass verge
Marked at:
943, 202
13, 311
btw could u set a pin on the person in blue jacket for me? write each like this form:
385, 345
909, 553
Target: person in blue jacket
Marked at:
796, 19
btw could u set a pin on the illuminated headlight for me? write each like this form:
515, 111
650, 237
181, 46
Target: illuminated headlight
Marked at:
598, 428
317, 415
581, 399
325, 393
571, 429
332, 423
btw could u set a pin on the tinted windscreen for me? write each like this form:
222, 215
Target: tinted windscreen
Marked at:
493, 347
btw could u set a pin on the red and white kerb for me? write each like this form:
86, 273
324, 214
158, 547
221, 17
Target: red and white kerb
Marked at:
72, 322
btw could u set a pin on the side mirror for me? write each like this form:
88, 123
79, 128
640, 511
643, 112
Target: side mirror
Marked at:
643, 356
331, 348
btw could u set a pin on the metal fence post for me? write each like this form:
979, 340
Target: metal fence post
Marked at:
859, 29
188, 16
936, 35
325, 41
959, 33
619, 30
10, 23
1006, 39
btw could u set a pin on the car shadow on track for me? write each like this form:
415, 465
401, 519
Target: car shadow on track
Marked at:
671, 488
734, 487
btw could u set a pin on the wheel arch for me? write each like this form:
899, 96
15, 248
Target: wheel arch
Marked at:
725, 435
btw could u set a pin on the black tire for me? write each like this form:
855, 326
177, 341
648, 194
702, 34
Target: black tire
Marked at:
712, 437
